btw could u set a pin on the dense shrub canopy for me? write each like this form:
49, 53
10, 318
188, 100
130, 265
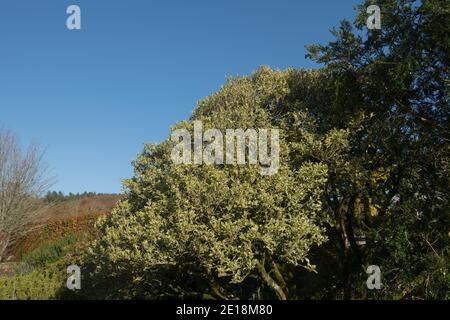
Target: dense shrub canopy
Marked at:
222, 222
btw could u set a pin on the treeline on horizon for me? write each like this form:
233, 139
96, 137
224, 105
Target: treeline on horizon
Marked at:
59, 196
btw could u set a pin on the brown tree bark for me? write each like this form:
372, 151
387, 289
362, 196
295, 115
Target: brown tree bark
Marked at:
270, 281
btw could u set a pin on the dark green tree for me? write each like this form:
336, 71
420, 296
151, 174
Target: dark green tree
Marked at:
389, 88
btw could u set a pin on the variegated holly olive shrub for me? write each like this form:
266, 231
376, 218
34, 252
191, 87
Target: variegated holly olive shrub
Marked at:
211, 230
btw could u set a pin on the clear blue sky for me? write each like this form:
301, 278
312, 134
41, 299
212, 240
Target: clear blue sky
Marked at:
93, 97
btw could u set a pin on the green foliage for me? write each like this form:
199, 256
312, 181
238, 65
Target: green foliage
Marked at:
390, 90
39, 284
50, 252
42, 273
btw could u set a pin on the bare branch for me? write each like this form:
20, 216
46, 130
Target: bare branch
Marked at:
23, 180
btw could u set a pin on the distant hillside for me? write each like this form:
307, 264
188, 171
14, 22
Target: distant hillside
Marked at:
76, 215
81, 206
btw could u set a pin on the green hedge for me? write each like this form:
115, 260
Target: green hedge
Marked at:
36, 285
50, 252
41, 274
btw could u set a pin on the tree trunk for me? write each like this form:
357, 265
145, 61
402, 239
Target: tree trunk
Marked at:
270, 281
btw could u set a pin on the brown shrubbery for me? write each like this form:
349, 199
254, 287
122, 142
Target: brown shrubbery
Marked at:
63, 219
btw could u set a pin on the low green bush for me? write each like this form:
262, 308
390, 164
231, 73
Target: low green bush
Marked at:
50, 252
36, 285
41, 274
